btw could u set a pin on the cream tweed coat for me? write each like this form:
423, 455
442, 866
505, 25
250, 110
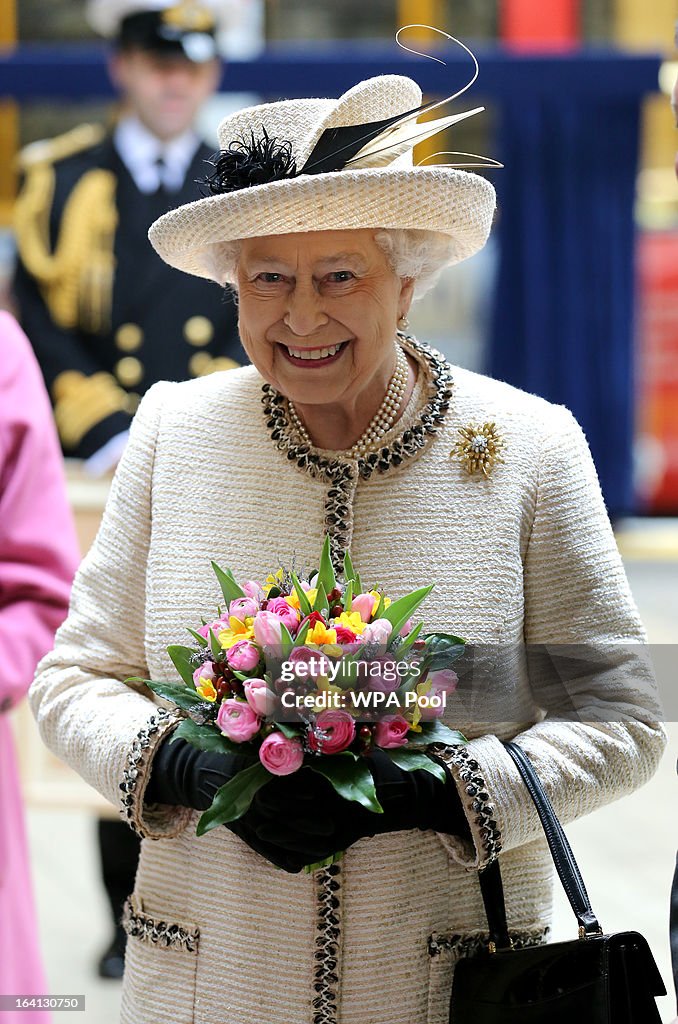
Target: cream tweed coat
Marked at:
216, 934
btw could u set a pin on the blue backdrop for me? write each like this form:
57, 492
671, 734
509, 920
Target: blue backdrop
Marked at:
563, 320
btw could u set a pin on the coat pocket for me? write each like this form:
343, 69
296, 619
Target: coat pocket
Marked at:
444, 950
160, 968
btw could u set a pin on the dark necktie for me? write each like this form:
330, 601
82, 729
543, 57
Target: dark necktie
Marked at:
162, 171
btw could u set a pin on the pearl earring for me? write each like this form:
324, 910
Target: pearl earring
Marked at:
403, 322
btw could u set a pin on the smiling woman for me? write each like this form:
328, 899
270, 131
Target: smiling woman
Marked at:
318, 314
344, 425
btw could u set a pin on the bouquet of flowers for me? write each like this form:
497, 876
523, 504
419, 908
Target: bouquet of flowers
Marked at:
315, 671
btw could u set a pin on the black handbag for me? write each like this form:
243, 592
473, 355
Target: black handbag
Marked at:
595, 979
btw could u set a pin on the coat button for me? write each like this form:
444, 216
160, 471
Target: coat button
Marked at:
201, 364
198, 331
129, 371
129, 337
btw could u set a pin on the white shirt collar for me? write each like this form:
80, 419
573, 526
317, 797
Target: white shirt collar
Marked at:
139, 150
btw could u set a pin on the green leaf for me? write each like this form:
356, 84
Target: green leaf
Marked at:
351, 778
184, 698
437, 732
207, 737
407, 642
286, 641
347, 597
400, 611
378, 609
321, 604
232, 800
412, 761
229, 587
326, 863
287, 730
326, 578
304, 603
301, 635
351, 574
197, 636
442, 650
242, 676
182, 659
215, 646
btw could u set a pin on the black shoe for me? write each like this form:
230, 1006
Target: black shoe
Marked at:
112, 962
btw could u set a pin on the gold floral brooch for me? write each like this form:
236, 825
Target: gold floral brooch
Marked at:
479, 448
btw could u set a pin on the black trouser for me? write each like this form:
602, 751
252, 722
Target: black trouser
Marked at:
119, 852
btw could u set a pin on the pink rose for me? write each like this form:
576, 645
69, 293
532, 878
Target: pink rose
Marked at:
243, 656
380, 674
280, 755
253, 590
334, 731
364, 604
442, 682
267, 629
407, 628
242, 608
206, 671
288, 615
258, 696
215, 626
237, 720
377, 632
318, 664
445, 680
391, 731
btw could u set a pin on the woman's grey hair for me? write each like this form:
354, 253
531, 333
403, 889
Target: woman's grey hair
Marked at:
421, 255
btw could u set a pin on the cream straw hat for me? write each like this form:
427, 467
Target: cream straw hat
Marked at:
360, 176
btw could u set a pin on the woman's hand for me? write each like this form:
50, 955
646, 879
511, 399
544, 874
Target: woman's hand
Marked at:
298, 819
304, 820
292, 815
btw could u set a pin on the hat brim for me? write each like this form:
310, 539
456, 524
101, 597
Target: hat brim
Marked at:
436, 198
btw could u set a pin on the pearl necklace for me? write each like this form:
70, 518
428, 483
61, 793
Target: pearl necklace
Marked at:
383, 419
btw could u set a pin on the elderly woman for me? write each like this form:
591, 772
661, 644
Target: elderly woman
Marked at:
343, 425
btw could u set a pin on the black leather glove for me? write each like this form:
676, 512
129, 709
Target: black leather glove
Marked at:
298, 819
410, 800
182, 775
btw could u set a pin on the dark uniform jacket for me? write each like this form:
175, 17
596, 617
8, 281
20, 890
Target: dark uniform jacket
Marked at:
106, 317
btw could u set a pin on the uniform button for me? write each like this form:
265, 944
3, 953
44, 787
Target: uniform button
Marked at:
129, 371
132, 400
223, 363
199, 364
129, 337
198, 331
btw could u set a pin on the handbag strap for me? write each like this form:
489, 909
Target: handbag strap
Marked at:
566, 866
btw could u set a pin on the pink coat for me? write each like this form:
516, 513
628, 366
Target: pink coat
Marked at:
38, 557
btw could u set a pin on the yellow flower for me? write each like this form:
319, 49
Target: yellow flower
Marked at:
323, 683
376, 595
293, 600
421, 690
332, 650
320, 634
237, 630
273, 580
206, 690
352, 621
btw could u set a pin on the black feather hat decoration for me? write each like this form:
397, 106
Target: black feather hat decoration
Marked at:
257, 161
249, 162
